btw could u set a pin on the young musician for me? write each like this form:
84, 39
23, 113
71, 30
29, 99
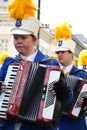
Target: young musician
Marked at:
65, 52
25, 37
24, 41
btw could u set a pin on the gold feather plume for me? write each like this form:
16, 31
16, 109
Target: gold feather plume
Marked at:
3, 56
20, 9
62, 32
82, 60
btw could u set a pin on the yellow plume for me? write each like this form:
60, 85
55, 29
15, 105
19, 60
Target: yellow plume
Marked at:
3, 56
20, 9
82, 60
62, 31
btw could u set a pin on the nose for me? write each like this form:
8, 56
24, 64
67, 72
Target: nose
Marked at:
19, 40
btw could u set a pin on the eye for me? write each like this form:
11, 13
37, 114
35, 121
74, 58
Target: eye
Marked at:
16, 38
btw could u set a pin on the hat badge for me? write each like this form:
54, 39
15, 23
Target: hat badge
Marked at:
18, 23
60, 43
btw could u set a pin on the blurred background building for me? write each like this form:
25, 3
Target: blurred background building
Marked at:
46, 41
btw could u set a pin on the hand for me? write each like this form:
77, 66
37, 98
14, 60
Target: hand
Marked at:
2, 87
52, 90
80, 100
60, 89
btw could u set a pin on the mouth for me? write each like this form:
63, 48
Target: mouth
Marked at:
60, 58
20, 47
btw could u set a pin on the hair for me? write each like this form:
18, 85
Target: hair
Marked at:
68, 52
33, 36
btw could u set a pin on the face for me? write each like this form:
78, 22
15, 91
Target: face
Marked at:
65, 57
25, 44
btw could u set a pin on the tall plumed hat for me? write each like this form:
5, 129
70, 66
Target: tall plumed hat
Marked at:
64, 38
24, 14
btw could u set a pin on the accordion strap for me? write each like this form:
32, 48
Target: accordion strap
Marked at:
46, 59
18, 58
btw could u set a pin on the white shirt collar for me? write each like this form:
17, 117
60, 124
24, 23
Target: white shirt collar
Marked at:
68, 68
31, 57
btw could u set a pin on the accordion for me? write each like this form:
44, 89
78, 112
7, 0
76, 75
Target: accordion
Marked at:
29, 98
79, 87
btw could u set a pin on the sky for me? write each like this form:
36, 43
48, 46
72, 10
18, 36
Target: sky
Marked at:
56, 12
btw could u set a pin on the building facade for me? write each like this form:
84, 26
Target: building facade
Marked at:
46, 42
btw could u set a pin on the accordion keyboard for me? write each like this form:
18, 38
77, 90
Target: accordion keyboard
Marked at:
4, 97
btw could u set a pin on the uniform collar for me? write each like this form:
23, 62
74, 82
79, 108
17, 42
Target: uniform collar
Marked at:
68, 68
30, 58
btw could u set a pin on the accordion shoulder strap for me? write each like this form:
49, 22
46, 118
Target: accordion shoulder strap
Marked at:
18, 58
46, 59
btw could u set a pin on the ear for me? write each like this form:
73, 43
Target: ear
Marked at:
35, 39
72, 54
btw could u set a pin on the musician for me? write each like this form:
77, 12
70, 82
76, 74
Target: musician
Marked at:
24, 42
65, 52
25, 37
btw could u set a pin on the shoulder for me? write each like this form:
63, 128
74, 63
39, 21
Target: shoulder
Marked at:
54, 62
78, 72
4, 67
51, 60
8, 61
45, 59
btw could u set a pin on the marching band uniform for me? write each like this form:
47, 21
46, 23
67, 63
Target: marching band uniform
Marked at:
6, 125
66, 44
25, 24
67, 123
